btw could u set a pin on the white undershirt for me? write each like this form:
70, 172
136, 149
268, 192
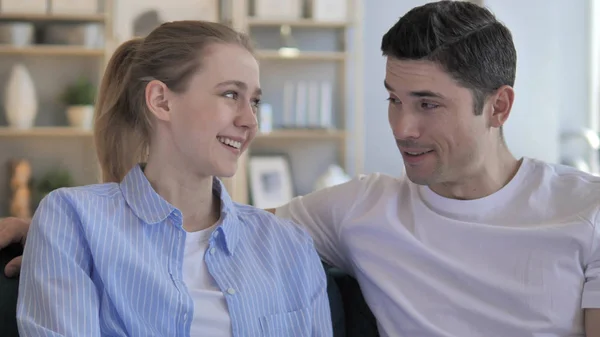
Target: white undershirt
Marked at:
524, 261
211, 316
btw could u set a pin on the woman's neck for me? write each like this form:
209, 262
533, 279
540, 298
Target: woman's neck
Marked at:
191, 194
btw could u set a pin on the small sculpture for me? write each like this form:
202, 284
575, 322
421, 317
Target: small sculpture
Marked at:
20, 205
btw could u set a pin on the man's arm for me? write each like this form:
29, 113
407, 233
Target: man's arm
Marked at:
591, 287
56, 294
592, 323
323, 214
13, 230
322, 324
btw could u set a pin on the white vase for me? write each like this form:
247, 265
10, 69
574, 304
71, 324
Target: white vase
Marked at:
20, 100
17, 34
81, 116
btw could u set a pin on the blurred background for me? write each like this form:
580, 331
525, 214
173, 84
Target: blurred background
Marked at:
324, 113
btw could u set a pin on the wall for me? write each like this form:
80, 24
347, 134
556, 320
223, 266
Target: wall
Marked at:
552, 87
594, 61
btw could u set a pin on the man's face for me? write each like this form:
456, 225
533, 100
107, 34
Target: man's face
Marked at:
439, 136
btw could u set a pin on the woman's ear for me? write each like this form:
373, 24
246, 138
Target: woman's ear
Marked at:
157, 94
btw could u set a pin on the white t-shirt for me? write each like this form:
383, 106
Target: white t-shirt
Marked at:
211, 316
523, 261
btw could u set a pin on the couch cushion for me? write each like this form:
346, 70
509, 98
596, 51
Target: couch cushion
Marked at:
9, 288
358, 319
336, 304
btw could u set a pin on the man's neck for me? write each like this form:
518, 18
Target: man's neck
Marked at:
495, 172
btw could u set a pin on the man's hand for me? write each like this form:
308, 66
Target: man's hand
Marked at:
13, 230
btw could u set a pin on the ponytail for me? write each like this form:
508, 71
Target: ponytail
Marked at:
121, 126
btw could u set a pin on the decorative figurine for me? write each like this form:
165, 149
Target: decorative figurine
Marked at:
20, 205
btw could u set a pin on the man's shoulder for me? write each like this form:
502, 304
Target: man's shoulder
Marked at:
269, 226
563, 187
378, 178
371, 183
564, 178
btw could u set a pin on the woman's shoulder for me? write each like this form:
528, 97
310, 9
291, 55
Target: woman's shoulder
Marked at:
73, 200
104, 190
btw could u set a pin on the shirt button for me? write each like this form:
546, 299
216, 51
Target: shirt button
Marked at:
212, 251
185, 317
231, 291
216, 234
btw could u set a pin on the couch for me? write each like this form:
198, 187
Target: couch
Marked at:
350, 314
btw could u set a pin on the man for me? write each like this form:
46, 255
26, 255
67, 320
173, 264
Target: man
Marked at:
472, 241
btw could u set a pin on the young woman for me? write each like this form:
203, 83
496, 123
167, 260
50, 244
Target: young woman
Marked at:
159, 248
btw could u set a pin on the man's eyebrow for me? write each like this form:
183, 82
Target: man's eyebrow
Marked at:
426, 93
419, 93
387, 86
240, 85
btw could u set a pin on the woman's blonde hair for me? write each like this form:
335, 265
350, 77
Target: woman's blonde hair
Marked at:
171, 53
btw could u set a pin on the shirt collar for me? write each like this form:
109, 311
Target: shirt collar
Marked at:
151, 208
145, 203
231, 225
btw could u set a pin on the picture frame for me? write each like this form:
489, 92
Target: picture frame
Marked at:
270, 180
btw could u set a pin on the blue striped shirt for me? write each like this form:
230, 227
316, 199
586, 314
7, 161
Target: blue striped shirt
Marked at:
107, 259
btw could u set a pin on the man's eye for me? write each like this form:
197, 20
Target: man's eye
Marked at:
429, 106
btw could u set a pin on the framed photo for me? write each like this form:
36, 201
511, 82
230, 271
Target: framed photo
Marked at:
270, 180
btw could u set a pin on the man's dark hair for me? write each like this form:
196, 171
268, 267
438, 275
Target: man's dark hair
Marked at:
465, 39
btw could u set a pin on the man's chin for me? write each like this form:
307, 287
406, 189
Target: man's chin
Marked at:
418, 176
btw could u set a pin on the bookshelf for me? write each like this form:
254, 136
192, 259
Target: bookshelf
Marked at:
326, 51
53, 64
51, 142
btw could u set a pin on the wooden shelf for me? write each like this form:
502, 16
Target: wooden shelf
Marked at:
302, 134
50, 50
280, 134
304, 23
303, 55
52, 17
59, 131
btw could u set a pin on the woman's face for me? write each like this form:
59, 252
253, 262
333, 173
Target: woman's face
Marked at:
212, 123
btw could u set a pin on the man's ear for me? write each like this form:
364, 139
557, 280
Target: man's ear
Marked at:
501, 104
157, 94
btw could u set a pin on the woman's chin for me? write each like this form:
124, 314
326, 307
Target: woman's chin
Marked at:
226, 172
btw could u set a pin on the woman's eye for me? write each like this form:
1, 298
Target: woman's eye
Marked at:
231, 94
256, 103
